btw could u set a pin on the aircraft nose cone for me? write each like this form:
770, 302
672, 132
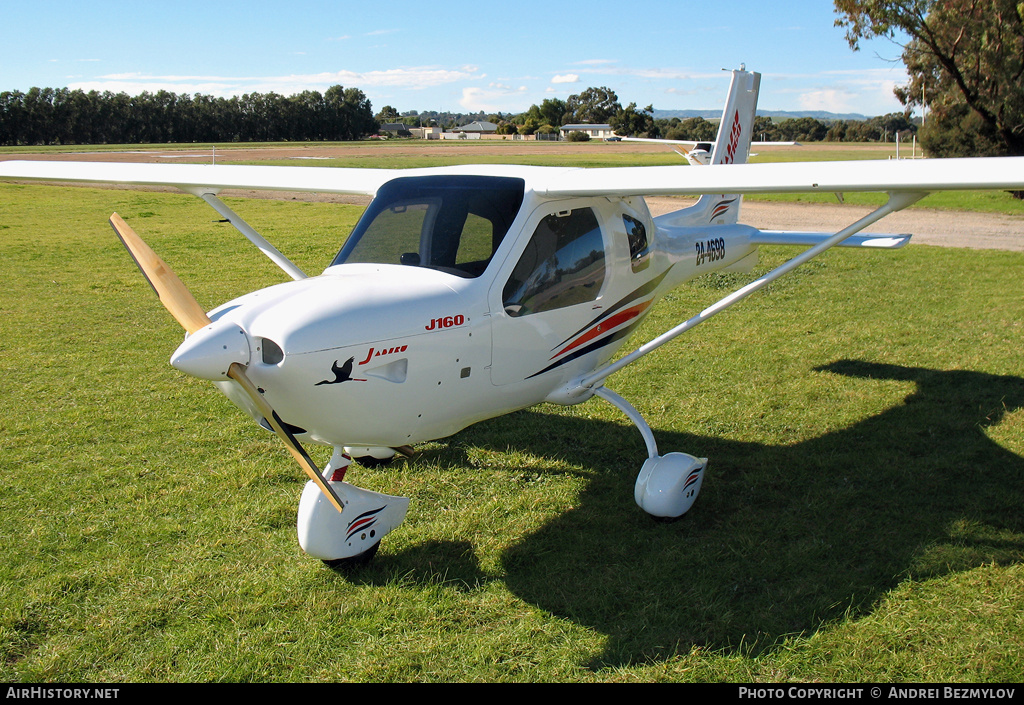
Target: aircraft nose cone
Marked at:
209, 352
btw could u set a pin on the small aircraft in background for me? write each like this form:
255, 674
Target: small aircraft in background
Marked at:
701, 153
468, 292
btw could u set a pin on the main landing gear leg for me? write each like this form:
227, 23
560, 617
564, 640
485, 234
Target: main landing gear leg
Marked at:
352, 536
667, 485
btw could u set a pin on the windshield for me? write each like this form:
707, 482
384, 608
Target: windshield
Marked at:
451, 223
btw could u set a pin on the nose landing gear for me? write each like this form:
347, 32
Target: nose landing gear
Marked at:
352, 536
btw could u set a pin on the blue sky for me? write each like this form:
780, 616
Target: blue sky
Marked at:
460, 57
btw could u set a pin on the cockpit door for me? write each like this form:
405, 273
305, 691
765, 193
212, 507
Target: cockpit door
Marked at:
555, 286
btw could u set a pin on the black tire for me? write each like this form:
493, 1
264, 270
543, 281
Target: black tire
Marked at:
360, 559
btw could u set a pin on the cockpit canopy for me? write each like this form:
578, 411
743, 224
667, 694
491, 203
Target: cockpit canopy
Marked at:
451, 223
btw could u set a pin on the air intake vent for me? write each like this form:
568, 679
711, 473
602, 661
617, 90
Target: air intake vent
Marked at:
272, 352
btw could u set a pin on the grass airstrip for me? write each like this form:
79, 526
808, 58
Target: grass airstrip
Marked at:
860, 521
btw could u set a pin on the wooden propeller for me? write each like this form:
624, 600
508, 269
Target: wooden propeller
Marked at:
180, 303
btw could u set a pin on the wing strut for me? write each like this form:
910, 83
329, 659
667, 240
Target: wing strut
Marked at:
897, 201
254, 237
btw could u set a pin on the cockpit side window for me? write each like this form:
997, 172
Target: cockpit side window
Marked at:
563, 265
451, 223
639, 248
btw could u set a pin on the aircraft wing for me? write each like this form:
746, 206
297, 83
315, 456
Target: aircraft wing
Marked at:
919, 175
206, 181
205, 178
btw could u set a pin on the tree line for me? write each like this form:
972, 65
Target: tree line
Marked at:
44, 116
883, 128
52, 116
601, 106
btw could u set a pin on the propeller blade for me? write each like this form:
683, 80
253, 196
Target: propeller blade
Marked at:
173, 294
178, 300
237, 373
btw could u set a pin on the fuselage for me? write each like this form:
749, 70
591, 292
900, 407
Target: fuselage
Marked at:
462, 297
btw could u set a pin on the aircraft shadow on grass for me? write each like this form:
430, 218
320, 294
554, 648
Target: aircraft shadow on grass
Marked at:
783, 540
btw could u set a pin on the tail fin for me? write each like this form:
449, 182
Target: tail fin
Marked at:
737, 126
733, 144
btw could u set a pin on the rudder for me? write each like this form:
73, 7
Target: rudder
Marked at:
732, 146
736, 129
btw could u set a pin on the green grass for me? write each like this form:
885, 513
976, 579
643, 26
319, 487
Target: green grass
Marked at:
860, 521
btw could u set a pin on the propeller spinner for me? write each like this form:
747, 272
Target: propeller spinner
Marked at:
180, 303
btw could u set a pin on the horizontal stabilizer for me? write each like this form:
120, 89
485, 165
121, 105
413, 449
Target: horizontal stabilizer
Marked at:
792, 237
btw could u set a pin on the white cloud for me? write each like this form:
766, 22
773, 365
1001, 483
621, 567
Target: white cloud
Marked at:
696, 90
668, 74
506, 88
495, 98
868, 92
831, 99
417, 77
566, 78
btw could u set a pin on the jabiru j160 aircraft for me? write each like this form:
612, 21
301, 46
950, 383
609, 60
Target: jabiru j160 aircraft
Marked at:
468, 292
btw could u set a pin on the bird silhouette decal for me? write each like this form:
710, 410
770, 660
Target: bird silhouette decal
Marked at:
341, 374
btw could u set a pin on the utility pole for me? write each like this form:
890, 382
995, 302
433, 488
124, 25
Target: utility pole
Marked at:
924, 105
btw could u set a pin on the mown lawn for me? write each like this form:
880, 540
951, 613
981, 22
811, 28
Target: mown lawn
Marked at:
860, 521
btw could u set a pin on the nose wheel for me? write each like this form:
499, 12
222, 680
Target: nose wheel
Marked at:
356, 561
350, 537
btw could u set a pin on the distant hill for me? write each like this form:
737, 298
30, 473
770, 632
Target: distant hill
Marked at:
776, 114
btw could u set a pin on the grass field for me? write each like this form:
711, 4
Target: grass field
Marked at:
860, 521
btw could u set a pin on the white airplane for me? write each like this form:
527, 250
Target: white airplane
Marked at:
468, 292
697, 153
701, 153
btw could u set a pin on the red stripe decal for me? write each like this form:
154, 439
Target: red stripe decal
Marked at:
604, 326
361, 524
